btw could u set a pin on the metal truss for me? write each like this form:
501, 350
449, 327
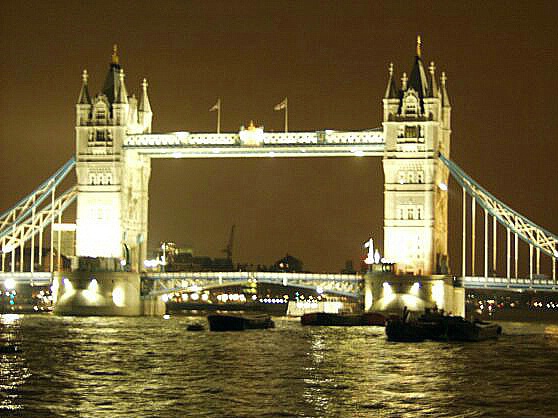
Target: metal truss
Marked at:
23, 230
24, 208
525, 229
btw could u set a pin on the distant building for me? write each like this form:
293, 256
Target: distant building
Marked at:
288, 264
41, 261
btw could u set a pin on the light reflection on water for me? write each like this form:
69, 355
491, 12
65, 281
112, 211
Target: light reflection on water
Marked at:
150, 367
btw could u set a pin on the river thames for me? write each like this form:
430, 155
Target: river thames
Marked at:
152, 367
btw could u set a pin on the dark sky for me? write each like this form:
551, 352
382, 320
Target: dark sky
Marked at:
330, 59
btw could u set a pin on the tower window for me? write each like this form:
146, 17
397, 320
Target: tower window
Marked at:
410, 213
411, 131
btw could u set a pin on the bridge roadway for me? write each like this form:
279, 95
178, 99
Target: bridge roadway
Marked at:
334, 284
337, 284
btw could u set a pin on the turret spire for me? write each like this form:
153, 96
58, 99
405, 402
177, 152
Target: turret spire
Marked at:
433, 87
391, 89
115, 54
445, 97
122, 93
84, 97
144, 105
404, 82
417, 78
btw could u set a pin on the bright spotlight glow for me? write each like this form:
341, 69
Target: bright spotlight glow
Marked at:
165, 298
68, 285
9, 284
415, 288
388, 291
319, 290
118, 297
556, 253
195, 296
359, 153
122, 262
195, 288
205, 297
177, 155
443, 186
54, 290
438, 293
93, 286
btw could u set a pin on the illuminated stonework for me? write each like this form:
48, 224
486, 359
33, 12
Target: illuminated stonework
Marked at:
416, 128
112, 185
114, 147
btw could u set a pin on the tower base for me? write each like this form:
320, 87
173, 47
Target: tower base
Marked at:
97, 293
390, 293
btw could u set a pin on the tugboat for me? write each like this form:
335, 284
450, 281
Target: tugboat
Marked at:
436, 326
239, 322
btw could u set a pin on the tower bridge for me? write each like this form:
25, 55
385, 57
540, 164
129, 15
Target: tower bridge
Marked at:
115, 145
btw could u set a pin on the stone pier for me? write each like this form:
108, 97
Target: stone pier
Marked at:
387, 292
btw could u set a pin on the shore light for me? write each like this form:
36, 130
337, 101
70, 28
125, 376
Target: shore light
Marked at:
9, 284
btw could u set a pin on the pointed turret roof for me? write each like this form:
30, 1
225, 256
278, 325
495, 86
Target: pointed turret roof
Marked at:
144, 105
433, 86
84, 97
112, 81
122, 95
417, 79
445, 97
391, 89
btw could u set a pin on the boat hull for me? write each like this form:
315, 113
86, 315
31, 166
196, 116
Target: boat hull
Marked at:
332, 319
224, 322
442, 328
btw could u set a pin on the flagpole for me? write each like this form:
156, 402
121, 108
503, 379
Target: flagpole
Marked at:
219, 115
286, 116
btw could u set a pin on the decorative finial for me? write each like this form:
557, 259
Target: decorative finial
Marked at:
115, 54
432, 68
144, 84
419, 44
390, 68
251, 126
121, 74
444, 78
84, 76
404, 81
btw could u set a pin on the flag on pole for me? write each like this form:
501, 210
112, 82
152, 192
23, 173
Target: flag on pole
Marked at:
216, 106
282, 105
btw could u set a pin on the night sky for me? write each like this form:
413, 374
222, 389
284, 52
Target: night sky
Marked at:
330, 59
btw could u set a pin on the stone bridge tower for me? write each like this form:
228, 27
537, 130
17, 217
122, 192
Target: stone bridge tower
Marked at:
416, 128
112, 185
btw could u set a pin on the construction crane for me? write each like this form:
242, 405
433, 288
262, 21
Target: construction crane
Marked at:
229, 248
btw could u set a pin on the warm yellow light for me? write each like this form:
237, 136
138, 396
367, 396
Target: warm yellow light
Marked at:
93, 286
119, 297
438, 293
68, 285
9, 284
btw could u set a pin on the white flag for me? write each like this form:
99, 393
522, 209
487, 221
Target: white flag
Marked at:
282, 105
216, 106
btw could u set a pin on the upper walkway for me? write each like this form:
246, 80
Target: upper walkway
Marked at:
254, 142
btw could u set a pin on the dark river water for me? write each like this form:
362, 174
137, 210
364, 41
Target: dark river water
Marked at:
152, 367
